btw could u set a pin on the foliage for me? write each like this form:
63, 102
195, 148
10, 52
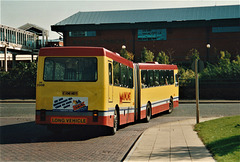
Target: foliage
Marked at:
225, 69
23, 75
193, 54
222, 137
162, 58
147, 55
127, 55
186, 76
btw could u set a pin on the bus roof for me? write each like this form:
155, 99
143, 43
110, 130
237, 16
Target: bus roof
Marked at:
154, 66
83, 51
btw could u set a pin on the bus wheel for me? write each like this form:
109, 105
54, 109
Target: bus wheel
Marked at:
148, 112
115, 123
170, 106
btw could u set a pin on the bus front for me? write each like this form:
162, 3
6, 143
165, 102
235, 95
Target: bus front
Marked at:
70, 86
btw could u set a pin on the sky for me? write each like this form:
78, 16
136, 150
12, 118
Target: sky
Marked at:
44, 13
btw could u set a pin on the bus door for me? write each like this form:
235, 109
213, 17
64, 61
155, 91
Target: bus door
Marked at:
110, 85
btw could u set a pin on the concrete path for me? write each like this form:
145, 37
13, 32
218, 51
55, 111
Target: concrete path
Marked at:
170, 142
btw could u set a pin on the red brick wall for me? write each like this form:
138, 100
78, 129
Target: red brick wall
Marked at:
179, 42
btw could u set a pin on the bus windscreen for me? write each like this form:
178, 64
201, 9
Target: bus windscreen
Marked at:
70, 69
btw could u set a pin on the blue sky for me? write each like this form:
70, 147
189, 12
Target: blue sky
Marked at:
45, 13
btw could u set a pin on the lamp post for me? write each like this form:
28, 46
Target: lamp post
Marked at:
208, 47
5, 55
124, 47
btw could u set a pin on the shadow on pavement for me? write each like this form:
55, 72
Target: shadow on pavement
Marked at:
29, 132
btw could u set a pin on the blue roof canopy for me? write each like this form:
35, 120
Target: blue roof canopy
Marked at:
153, 15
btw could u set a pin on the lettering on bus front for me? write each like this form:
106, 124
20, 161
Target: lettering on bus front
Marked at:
57, 120
125, 97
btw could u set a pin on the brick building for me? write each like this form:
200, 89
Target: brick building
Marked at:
175, 31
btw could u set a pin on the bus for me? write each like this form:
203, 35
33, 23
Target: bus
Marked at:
94, 86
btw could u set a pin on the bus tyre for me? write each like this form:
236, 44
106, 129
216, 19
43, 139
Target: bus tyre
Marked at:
148, 112
170, 106
115, 123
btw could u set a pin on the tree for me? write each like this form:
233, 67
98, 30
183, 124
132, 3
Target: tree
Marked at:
193, 54
224, 58
127, 55
162, 58
147, 55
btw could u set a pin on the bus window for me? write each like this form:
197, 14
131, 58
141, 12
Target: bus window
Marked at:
161, 77
156, 78
110, 73
176, 79
151, 79
130, 74
124, 76
48, 70
144, 78
171, 77
70, 69
116, 73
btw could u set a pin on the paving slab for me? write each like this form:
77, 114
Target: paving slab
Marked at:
175, 142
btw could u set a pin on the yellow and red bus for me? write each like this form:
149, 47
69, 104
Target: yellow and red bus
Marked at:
94, 86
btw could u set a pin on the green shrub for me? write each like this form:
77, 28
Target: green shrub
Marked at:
147, 55
23, 75
162, 58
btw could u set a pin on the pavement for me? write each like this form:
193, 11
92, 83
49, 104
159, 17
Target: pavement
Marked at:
173, 142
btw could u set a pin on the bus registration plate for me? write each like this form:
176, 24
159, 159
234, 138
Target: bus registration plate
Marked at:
68, 120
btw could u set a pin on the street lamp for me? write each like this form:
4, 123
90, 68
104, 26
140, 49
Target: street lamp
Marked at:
124, 47
208, 47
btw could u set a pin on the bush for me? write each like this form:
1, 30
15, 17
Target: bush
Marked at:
147, 55
22, 77
162, 58
224, 69
127, 55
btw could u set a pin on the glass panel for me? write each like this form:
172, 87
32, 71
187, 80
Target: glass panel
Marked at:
70, 69
110, 73
116, 73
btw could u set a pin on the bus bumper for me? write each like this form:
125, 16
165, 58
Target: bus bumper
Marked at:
74, 118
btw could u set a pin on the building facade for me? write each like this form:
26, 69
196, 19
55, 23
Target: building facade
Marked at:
174, 31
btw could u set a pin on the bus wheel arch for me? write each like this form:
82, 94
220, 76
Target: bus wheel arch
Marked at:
170, 110
148, 111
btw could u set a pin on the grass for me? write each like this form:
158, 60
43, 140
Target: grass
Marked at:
222, 138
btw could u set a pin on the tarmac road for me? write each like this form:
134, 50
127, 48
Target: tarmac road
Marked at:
21, 139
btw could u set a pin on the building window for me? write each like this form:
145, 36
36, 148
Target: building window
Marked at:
226, 29
82, 34
152, 34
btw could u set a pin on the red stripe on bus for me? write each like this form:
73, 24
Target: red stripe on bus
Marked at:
149, 66
83, 51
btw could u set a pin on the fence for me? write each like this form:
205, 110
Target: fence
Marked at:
210, 89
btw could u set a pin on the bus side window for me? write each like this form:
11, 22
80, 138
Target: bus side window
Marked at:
123, 76
110, 73
156, 78
130, 74
151, 79
144, 78
161, 77
176, 79
116, 73
171, 77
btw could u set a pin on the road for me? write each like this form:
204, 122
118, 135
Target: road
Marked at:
21, 139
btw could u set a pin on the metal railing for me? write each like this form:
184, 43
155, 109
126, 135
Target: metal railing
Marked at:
17, 39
